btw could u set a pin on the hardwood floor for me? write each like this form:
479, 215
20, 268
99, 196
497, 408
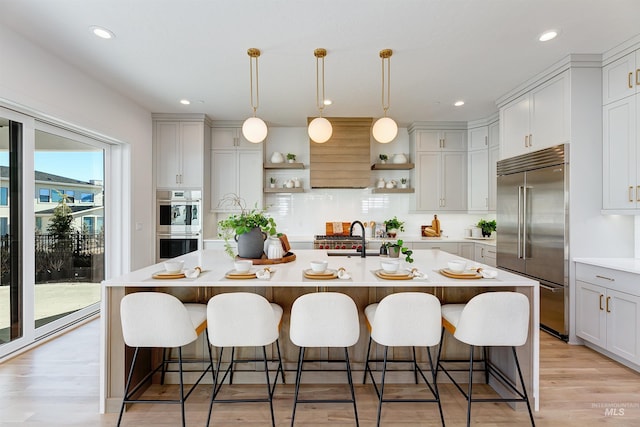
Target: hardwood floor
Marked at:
56, 384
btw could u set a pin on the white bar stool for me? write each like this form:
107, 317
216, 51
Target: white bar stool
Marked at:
154, 319
243, 319
406, 319
490, 319
324, 319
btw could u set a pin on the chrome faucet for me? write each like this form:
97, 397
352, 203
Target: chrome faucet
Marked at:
363, 254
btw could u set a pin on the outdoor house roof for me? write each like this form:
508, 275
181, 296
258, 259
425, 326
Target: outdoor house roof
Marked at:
49, 178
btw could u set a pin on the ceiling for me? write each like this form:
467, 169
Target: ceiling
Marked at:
443, 50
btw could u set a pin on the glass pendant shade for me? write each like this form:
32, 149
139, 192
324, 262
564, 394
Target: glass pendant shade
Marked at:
320, 130
385, 130
254, 129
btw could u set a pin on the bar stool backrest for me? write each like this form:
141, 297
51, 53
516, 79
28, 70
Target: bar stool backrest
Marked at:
407, 319
155, 319
240, 319
324, 319
494, 319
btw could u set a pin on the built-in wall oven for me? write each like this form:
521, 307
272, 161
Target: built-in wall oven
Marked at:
178, 222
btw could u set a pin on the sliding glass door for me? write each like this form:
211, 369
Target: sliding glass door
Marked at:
11, 284
52, 228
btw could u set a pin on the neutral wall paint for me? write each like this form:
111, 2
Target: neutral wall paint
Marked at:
35, 80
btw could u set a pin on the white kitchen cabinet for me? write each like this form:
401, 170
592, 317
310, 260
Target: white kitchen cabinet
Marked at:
608, 310
440, 181
621, 78
179, 148
494, 156
449, 247
478, 138
485, 254
621, 157
538, 119
438, 140
478, 180
236, 168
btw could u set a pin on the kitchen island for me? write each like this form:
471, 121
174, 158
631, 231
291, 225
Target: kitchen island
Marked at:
286, 283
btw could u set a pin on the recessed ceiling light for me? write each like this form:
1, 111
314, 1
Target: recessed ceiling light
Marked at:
185, 102
328, 102
459, 103
102, 32
548, 35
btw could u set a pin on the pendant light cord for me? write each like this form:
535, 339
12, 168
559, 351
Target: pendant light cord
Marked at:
386, 55
320, 54
254, 54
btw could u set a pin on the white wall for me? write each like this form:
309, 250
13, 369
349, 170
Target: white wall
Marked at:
31, 79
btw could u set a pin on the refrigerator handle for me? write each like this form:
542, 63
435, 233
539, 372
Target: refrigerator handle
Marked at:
519, 230
524, 222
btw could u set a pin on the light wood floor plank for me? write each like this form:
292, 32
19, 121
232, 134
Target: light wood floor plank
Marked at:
56, 384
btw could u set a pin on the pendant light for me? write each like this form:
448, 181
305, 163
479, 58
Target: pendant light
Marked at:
254, 128
320, 129
385, 128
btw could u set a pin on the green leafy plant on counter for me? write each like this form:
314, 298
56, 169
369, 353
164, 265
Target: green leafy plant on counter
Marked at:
399, 248
487, 227
242, 222
394, 224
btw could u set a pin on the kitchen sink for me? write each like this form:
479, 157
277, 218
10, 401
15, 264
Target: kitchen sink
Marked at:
351, 253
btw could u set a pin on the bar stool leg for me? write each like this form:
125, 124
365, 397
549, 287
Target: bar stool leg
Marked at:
434, 372
415, 366
184, 419
297, 389
380, 397
353, 394
366, 365
524, 388
470, 385
233, 359
269, 390
126, 388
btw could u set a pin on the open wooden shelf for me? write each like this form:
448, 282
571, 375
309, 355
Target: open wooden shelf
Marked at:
284, 190
392, 166
284, 165
393, 190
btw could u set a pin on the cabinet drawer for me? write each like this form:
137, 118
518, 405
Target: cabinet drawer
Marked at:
622, 281
450, 247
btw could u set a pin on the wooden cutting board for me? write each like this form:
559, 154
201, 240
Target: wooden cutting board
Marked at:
329, 231
165, 275
451, 274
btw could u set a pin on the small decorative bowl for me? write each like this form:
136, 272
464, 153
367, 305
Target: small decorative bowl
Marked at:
319, 266
390, 266
457, 266
173, 266
242, 266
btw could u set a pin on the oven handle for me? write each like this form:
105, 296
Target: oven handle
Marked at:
178, 201
177, 235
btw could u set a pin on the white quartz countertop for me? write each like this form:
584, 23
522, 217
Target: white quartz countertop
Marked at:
215, 264
630, 265
406, 239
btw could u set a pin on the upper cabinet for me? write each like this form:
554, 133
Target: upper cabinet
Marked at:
179, 142
440, 175
538, 119
236, 167
440, 140
621, 78
484, 148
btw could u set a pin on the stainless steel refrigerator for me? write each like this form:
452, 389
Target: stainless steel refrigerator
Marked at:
533, 229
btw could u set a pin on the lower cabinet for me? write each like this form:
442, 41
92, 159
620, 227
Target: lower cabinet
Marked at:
608, 310
485, 254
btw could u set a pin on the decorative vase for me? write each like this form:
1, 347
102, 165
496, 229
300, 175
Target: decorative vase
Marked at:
392, 232
274, 249
393, 251
277, 157
486, 233
251, 244
291, 160
381, 183
399, 158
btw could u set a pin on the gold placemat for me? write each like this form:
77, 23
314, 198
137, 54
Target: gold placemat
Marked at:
446, 272
325, 275
235, 275
165, 275
393, 276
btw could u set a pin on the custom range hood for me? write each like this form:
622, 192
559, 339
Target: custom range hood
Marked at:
344, 161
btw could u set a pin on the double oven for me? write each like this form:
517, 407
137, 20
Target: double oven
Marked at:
178, 223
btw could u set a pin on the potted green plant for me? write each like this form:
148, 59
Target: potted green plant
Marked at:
393, 226
403, 182
383, 158
249, 228
272, 182
291, 157
395, 249
487, 227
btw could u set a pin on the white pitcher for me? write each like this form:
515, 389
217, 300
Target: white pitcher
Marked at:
274, 250
399, 158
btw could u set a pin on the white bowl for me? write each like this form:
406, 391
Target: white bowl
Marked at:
319, 266
457, 266
242, 266
390, 266
173, 266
